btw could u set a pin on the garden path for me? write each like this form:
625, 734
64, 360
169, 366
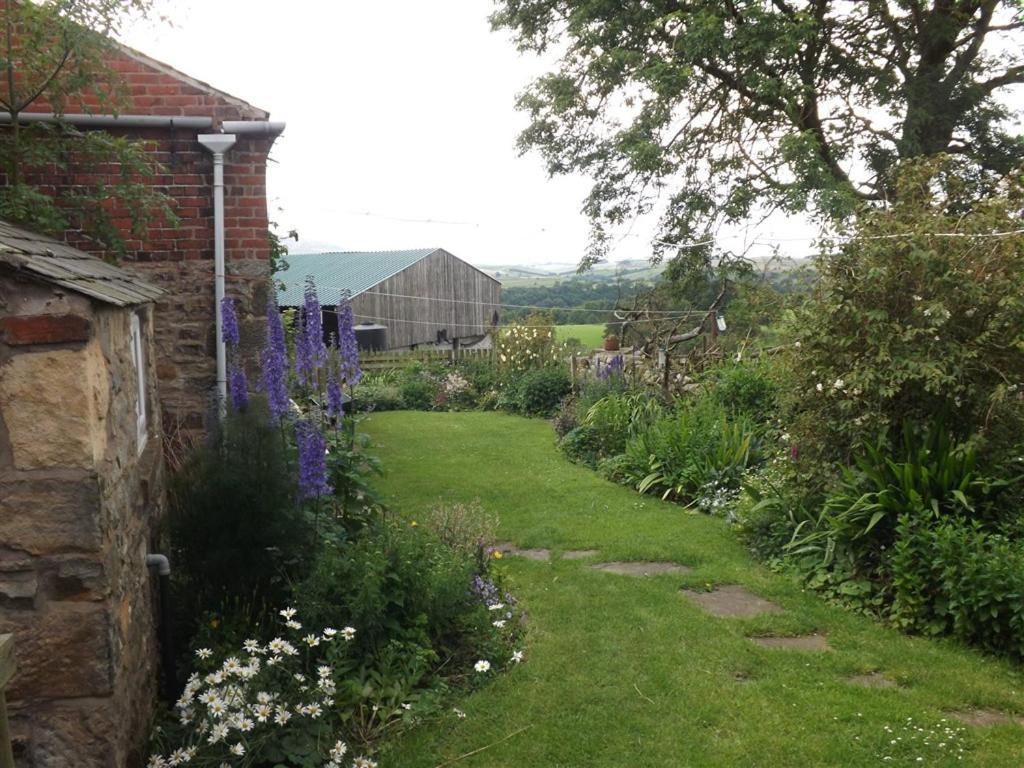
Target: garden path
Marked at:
628, 670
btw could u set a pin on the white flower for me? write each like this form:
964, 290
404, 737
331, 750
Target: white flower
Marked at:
363, 762
283, 716
499, 624
262, 712
338, 750
323, 671
517, 656
312, 640
238, 749
818, 386
329, 632
204, 653
348, 633
495, 607
838, 384
407, 707
251, 646
287, 613
797, 345
218, 733
459, 713
291, 624
482, 666
156, 761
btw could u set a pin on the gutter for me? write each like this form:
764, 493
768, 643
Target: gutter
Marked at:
110, 121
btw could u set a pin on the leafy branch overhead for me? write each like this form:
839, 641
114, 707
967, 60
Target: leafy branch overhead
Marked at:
710, 110
51, 54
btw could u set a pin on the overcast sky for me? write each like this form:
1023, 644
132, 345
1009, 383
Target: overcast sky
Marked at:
395, 111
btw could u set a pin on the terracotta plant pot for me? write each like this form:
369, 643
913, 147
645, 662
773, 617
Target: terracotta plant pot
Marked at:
611, 343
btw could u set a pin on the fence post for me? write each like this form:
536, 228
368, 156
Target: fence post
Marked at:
572, 371
6, 673
664, 376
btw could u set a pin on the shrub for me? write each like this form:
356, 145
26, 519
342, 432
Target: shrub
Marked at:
931, 477
236, 532
745, 388
378, 397
465, 528
582, 444
909, 325
618, 416
696, 448
539, 392
418, 393
958, 578
565, 419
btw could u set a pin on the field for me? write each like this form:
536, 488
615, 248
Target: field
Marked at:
590, 335
629, 671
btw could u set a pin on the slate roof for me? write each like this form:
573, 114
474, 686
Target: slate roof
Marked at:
352, 271
60, 264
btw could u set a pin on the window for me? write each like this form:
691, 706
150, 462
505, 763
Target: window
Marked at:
139, 357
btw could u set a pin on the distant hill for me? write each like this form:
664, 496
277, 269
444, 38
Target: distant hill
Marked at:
512, 275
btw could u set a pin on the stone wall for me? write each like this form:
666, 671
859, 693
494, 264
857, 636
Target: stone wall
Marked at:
79, 503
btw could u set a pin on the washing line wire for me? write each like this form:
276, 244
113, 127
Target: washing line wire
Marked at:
485, 326
667, 312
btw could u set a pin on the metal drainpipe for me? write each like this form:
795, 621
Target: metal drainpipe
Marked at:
170, 672
219, 144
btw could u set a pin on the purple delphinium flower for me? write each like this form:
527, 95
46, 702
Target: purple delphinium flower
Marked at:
348, 347
612, 368
275, 363
335, 400
312, 461
228, 322
310, 352
485, 590
238, 385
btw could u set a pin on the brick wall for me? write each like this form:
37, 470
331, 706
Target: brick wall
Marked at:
180, 259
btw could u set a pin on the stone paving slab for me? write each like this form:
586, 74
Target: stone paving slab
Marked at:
731, 601
872, 680
796, 643
981, 718
641, 568
579, 554
507, 548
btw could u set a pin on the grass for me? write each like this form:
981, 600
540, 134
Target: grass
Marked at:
624, 671
591, 335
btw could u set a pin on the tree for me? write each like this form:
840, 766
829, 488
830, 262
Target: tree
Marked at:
714, 110
52, 52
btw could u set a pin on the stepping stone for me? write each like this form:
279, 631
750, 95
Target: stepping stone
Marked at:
640, 568
508, 548
872, 680
731, 601
798, 643
578, 554
981, 718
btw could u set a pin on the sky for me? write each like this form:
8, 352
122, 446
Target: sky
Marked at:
401, 125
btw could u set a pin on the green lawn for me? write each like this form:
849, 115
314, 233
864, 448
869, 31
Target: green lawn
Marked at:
590, 335
626, 672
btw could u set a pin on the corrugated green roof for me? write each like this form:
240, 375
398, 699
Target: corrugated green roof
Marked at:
352, 271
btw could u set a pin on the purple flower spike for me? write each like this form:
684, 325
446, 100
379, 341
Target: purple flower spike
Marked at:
310, 352
228, 322
275, 363
239, 387
348, 347
335, 400
312, 461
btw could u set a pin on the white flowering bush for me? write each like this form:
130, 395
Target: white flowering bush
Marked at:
270, 703
524, 347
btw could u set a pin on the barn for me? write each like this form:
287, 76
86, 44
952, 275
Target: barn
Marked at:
425, 296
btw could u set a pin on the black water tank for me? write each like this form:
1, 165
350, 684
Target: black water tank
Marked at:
371, 337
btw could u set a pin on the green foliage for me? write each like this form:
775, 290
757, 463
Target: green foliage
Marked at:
617, 417
696, 447
931, 478
397, 582
958, 578
745, 388
417, 388
378, 397
909, 325
54, 52
582, 444
538, 392
724, 104
236, 534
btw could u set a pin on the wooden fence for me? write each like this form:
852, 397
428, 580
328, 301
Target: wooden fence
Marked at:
6, 673
396, 358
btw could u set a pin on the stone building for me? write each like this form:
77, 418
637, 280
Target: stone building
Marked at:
172, 112
81, 488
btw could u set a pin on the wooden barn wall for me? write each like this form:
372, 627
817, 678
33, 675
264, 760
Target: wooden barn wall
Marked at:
415, 321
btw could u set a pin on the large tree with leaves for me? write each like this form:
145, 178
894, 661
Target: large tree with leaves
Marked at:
704, 110
52, 52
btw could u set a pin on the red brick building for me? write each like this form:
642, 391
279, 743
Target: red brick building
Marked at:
172, 111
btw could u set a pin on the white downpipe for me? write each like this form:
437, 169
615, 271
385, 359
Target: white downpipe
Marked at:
219, 144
